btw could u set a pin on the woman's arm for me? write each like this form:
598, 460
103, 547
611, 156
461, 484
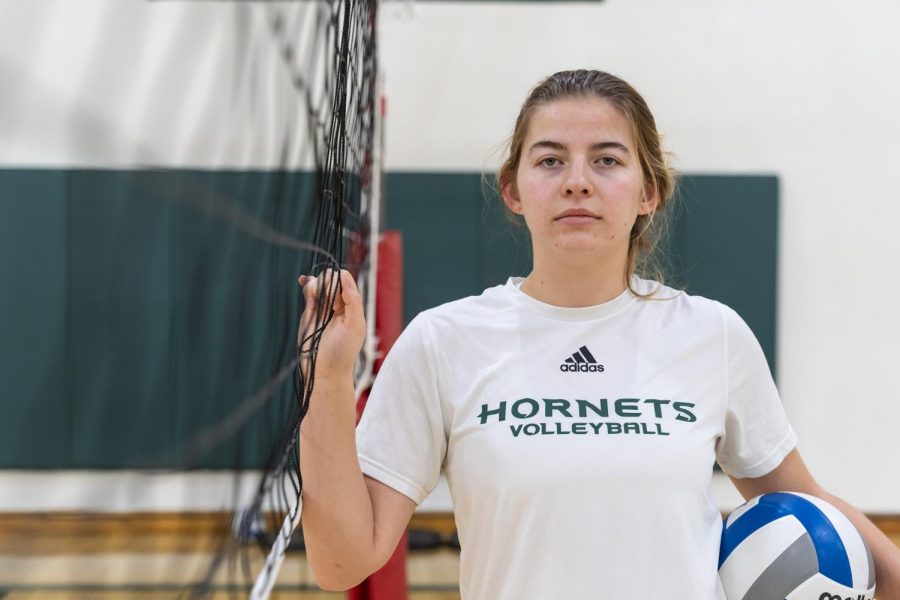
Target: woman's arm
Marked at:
351, 524
793, 476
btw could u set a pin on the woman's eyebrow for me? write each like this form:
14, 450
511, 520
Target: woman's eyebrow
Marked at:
606, 145
553, 145
546, 144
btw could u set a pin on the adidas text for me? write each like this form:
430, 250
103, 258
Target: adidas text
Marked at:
580, 368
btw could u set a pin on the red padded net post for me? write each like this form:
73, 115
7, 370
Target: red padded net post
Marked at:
389, 582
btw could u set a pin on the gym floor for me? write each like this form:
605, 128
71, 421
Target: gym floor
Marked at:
149, 556
143, 557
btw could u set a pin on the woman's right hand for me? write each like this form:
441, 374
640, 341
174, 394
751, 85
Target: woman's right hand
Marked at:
343, 337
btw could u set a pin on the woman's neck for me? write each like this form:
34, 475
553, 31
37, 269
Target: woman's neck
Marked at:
575, 285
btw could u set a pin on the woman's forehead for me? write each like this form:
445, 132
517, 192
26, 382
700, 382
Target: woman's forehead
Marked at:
578, 120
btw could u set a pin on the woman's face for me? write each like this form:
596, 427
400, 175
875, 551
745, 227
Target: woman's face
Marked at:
579, 184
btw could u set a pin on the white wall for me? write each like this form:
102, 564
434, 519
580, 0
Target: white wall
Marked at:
124, 83
807, 90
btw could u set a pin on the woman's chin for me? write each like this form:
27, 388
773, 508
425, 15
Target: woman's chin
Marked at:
588, 245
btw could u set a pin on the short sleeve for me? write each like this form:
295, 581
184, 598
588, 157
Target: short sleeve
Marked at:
400, 439
757, 435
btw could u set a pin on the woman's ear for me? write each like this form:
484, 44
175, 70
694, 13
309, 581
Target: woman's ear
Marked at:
510, 196
650, 200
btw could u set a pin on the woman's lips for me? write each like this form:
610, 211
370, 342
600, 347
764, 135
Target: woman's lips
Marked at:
577, 219
577, 216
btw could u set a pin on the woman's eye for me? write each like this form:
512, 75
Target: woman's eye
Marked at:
550, 161
608, 161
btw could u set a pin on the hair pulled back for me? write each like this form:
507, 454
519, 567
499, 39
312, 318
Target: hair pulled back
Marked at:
649, 230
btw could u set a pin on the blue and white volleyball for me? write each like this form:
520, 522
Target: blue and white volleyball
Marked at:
793, 546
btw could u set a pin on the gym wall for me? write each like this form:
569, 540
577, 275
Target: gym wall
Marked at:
797, 100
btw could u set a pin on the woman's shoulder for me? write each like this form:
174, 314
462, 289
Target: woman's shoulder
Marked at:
477, 307
680, 302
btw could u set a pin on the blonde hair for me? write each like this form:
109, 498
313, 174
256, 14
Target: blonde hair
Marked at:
649, 231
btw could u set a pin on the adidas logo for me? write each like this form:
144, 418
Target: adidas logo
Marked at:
581, 362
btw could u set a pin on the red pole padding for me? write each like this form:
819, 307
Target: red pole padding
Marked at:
389, 582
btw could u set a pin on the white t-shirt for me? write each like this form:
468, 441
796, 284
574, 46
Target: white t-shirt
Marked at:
578, 443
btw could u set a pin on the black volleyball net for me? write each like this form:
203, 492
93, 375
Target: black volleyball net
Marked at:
341, 103
328, 51
203, 175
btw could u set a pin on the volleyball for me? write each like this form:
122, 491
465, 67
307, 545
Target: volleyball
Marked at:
796, 547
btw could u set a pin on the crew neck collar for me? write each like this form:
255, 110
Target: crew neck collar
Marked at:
563, 313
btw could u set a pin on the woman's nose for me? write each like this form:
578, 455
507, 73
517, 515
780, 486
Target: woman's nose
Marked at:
577, 183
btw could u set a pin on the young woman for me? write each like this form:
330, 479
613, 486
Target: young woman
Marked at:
577, 412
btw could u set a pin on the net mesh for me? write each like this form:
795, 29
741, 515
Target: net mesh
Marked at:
193, 158
328, 51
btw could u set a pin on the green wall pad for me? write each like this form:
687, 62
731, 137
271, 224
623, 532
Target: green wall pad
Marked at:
133, 319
